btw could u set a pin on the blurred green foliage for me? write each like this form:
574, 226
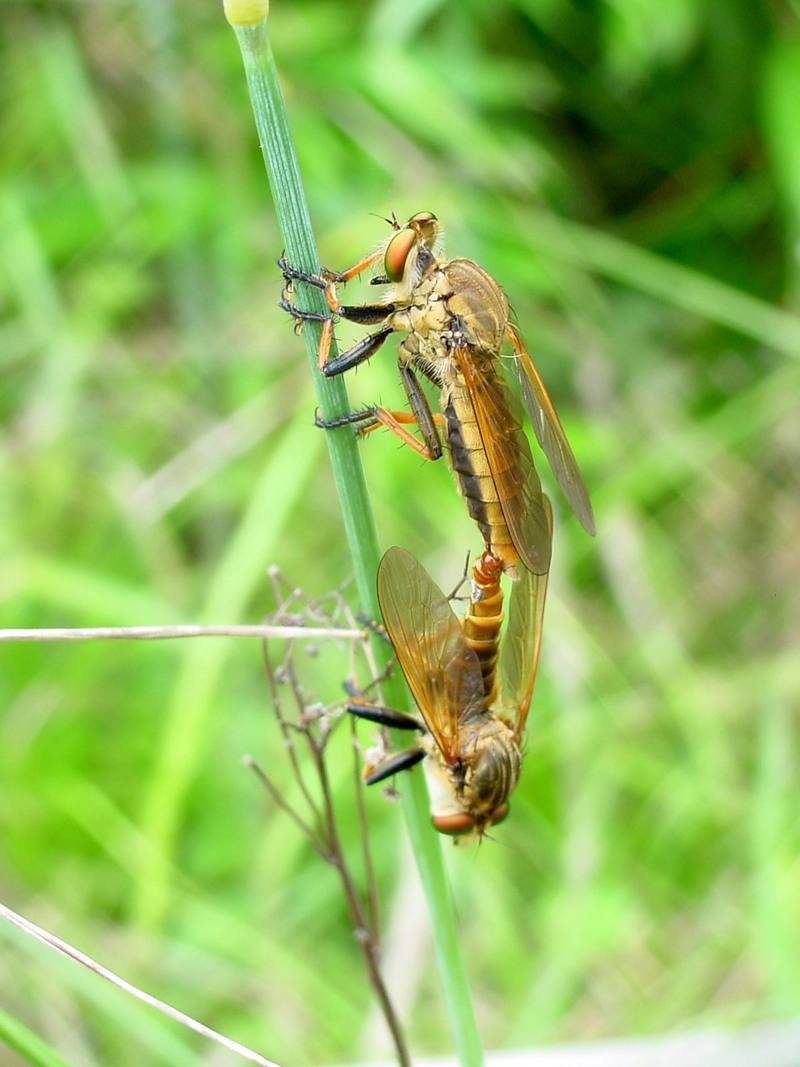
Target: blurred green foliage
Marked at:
630, 172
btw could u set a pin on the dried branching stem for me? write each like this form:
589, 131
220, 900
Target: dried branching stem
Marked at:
314, 725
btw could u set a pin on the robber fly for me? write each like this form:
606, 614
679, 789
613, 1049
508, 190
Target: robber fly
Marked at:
454, 318
470, 734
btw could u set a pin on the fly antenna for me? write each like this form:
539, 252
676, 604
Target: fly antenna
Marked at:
391, 222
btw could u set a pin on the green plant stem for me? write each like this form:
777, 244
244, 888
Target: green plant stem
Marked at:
295, 224
30, 1047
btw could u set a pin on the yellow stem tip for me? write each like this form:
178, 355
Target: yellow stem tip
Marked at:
245, 12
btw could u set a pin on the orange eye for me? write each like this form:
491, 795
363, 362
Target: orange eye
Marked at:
422, 217
453, 825
397, 250
500, 814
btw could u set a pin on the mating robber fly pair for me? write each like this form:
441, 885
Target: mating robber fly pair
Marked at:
454, 319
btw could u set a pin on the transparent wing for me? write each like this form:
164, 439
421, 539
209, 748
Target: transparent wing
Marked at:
550, 433
441, 669
519, 654
509, 457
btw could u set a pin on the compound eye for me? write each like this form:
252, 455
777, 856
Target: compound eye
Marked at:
423, 217
394, 262
500, 814
453, 825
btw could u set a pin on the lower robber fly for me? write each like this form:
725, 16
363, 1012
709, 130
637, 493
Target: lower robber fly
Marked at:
454, 318
473, 692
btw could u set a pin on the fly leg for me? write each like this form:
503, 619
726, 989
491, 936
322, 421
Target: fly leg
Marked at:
374, 416
421, 415
359, 696
365, 314
327, 278
379, 631
397, 720
400, 761
462, 581
358, 268
405, 418
326, 333
359, 353
383, 716
421, 409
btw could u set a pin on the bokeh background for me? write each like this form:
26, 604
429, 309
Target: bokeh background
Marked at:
629, 170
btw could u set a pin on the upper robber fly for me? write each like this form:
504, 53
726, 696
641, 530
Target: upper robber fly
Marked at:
454, 318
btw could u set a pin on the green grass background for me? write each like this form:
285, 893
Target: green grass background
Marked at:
630, 172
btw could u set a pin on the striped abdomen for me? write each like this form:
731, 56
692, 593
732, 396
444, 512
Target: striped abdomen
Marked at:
471, 467
483, 620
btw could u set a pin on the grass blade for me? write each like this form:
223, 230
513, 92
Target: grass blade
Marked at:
30, 1047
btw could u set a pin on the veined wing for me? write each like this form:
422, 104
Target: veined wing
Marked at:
510, 461
550, 433
441, 669
519, 654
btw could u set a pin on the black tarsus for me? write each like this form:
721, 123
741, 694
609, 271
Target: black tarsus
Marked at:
367, 416
298, 315
294, 274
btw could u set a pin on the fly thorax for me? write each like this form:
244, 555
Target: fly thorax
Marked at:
429, 319
424, 289
492, 765
477, 302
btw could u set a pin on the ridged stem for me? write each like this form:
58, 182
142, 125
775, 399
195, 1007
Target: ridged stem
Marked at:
248, 18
